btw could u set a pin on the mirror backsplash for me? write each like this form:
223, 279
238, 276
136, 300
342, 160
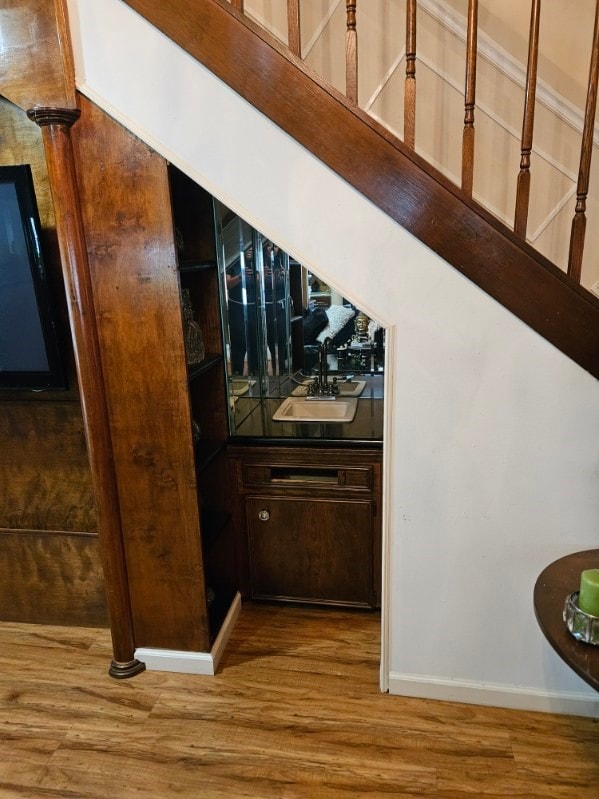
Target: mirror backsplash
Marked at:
283, 327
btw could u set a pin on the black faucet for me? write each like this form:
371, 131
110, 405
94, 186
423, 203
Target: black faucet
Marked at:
320, 387
323, 365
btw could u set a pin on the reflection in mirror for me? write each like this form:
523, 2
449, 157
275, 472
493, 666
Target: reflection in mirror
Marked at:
282, 326
256, 278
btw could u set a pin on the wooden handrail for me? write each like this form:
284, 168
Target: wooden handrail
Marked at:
409, 107
469, 99
579, 222
523, 184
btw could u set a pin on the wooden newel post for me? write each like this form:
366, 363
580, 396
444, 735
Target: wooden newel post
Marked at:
56, 133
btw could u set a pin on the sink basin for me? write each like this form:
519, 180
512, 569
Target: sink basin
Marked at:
351, 388
300, 409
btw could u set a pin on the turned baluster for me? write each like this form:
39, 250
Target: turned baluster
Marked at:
410, 83
469, 99
351, 52
238, 4
293, 27
579, 221
523, 185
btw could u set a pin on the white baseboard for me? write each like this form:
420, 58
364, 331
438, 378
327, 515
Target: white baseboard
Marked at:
192, 662
493, 695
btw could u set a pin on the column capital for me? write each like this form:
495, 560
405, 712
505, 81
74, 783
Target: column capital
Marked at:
53, 116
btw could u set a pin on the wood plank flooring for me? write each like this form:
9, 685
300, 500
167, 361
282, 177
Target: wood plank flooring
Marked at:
294, 711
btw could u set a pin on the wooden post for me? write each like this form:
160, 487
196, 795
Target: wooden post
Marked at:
56, 133
238, 4
469, 99
409, 105
523, 186
579, 222
351, 52
293, 27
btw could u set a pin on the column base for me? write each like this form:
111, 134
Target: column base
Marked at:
121, 671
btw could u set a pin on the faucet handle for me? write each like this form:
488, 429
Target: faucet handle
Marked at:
334, 386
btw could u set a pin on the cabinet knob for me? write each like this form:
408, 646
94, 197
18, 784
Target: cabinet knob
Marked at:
264, 515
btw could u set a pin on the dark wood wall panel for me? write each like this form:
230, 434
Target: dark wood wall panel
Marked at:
45, 482
51, 579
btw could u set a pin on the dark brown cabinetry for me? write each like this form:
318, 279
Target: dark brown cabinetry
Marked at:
304, 549
312, 517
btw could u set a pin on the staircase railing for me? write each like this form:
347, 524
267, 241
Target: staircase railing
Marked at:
523, 185
377, 164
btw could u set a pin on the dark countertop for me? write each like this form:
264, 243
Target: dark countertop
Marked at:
253, 416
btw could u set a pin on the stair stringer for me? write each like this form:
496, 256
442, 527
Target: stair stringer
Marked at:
490, 430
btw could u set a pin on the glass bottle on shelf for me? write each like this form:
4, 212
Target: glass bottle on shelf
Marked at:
194, 341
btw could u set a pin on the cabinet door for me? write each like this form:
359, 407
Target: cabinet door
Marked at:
311, 550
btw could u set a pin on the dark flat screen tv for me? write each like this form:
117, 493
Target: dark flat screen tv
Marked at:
30, 357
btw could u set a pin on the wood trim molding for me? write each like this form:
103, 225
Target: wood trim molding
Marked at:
492, 694
56, 125
184, 662
397, 180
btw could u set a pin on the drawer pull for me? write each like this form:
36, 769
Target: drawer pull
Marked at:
264, 515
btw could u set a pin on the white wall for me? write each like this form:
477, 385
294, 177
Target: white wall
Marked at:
492, 433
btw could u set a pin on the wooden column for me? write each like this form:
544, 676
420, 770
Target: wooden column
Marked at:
56, 133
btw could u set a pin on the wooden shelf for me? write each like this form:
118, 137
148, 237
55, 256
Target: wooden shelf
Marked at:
206, 452
213, 523
200, 368
196, 266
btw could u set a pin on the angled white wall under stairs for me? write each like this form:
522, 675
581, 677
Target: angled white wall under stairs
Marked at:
491, 457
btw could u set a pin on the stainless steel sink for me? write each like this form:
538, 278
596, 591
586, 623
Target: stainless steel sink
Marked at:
327, 411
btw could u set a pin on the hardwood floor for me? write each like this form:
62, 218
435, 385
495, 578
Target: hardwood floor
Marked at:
294, 711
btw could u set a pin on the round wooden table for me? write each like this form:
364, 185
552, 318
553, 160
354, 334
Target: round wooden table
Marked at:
551, 589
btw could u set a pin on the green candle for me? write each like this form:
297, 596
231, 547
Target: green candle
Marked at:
588, 599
